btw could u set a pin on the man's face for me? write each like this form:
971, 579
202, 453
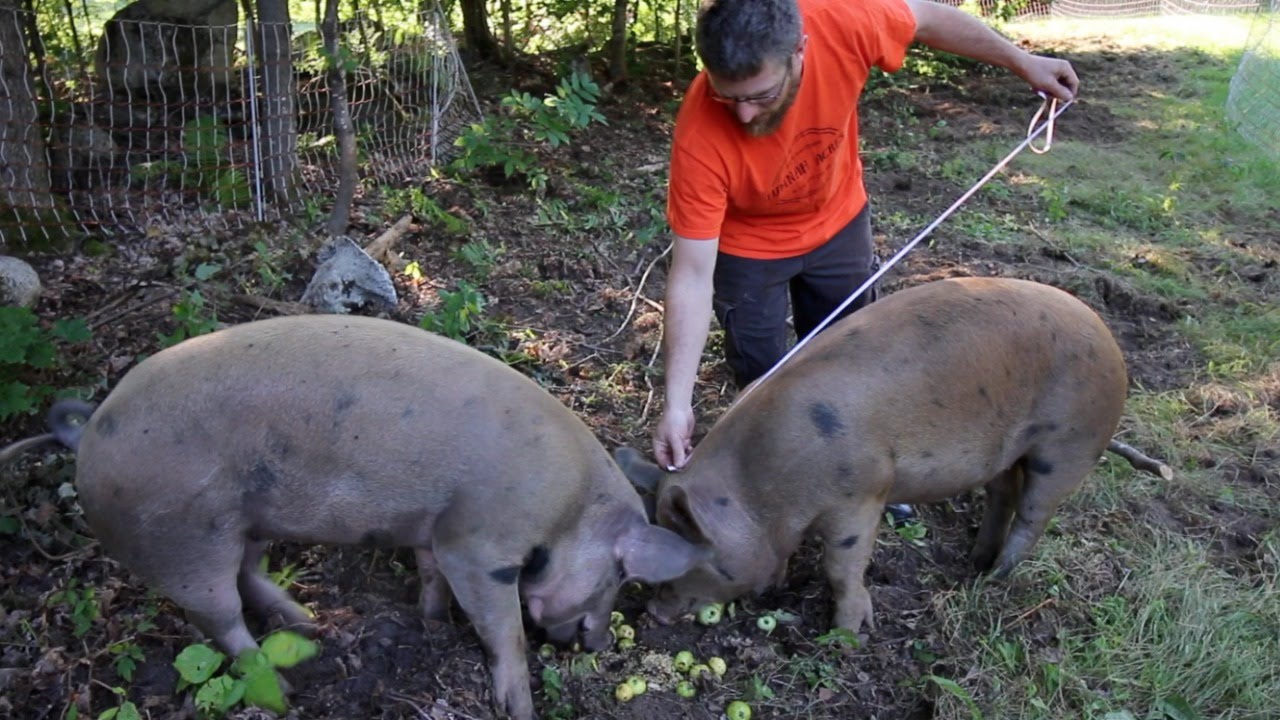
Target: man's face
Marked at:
761, 101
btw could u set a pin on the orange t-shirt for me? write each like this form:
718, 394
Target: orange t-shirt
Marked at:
785, 194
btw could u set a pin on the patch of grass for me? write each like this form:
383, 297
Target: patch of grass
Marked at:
1239, 341
1158, 643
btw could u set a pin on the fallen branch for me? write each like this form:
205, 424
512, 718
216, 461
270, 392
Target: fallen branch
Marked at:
379, 247
639, 296
279, 307
1140, 461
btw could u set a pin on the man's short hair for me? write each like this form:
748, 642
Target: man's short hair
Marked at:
736, 37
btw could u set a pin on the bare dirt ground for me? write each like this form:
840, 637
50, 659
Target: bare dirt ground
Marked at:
592, 330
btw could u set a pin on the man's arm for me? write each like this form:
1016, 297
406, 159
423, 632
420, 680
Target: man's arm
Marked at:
952, 30
685, 326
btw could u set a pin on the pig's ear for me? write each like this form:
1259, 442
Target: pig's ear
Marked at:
676, 511
650, 554
642, 473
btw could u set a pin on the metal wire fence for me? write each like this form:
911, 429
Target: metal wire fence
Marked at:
1014, 10
195, 126
1253, 102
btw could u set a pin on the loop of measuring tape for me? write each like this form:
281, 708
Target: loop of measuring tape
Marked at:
1050, 104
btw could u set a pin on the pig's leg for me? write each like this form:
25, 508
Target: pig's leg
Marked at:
264, 596
1002, 496
848, 537
1047, 480
200, 577
436, 594
490, 597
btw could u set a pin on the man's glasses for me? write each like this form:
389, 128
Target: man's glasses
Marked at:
765, 99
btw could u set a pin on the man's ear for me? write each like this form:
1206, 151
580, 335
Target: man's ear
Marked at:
651, 554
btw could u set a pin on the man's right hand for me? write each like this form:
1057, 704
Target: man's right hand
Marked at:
673, 438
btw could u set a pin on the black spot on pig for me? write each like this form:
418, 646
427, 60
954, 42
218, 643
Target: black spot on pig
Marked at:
341, 406
826, 419
982, 390
849, 542
725, 574
104, 424
1037, 428
926, 454
939, 404
278, 445
1039, 466
506, 575
535, 562
408, 412
260, 478
378, 539
844, 473
722, 501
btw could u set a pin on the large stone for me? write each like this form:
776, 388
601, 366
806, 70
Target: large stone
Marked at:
348, 279
19, 283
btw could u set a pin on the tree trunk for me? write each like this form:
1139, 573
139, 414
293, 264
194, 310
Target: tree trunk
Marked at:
508, 44
340, 216
279, 145
476, 32
618, 43
24, 170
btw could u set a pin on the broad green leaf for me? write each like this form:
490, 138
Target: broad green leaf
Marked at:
198, 663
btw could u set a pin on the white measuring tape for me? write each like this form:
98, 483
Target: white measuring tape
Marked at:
1050, 104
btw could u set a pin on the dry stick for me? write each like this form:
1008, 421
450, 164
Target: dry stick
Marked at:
1140, 461
379, 247
281, 307
423, 711
636, 298
648, 402
133, 308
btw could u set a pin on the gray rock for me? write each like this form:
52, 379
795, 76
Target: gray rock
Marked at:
19, 283
348, 279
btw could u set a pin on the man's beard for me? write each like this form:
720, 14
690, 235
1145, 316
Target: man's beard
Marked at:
767, 122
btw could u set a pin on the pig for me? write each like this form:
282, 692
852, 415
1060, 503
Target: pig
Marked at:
945, 387
343, 430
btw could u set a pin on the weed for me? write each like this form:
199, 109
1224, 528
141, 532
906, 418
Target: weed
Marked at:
480, 255
192, 317
26, 349
461, 313
251, 679
504, 140
81, 602
267, 265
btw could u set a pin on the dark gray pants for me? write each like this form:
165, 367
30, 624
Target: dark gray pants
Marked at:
751, 296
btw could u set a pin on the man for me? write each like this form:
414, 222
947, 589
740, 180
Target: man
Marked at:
766, 195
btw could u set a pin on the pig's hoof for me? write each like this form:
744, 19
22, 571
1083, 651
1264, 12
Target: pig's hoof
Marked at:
855, 612
983, 560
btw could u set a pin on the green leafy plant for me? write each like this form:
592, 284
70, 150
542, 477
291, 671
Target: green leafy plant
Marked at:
251, 679
81, 601
560, 708
127, 656
193, 319
25, 350
461, 313
126, 710
267, 265
480, 255
424, 207
505, 140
